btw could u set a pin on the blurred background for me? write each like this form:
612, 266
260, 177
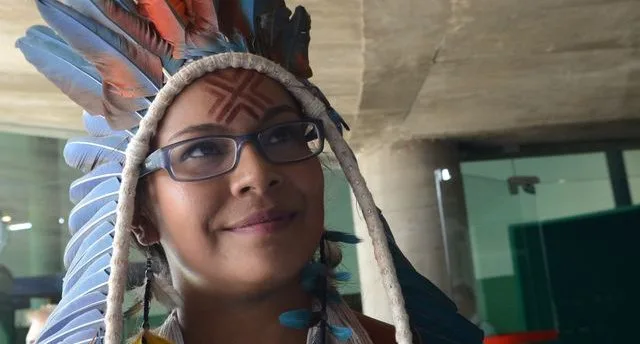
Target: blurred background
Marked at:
501, 138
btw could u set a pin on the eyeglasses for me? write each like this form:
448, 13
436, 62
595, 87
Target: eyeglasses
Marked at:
211, 156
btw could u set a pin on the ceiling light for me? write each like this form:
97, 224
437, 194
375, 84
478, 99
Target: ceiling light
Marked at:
61, 220
19, 226
6, 219
446, 175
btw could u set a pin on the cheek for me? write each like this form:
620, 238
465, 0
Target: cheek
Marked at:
310, 181
184, 211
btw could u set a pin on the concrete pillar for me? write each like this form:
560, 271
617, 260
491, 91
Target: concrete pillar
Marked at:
428, 219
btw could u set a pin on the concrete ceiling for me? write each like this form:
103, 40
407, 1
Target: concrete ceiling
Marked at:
422, 68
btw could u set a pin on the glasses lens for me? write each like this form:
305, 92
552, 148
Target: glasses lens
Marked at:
203, 158
291, 141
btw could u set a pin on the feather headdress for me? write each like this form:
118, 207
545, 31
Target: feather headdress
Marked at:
123, 62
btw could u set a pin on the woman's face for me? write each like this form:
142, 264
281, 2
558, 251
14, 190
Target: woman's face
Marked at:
201, 225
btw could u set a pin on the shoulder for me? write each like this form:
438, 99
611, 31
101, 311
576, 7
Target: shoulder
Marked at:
379, 332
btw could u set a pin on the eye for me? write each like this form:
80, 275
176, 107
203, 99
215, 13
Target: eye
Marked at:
286, 134
280, 135
201, 150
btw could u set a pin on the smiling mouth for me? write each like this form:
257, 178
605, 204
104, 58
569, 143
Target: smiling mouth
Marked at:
264, 222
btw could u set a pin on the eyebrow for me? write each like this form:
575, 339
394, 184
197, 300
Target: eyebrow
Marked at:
268, 115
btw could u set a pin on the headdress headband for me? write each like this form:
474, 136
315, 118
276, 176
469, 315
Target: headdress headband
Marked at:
124, 63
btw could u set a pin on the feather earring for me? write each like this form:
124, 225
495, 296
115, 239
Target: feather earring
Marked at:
147, 337
323, 293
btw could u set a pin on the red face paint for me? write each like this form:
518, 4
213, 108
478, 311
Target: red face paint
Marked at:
237, 92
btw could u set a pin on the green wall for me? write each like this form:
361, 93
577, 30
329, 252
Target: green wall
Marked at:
632, 161
338, 217
570, 185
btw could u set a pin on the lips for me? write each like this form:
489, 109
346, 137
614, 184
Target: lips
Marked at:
263, 222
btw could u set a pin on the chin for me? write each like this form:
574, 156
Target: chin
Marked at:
260, 278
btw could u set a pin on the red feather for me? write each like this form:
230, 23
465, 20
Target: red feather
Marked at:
140, 29
118, 115
169, 17
205, 19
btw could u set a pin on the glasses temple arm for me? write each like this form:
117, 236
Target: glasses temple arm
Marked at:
152, 163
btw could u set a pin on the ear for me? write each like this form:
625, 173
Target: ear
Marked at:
145, 230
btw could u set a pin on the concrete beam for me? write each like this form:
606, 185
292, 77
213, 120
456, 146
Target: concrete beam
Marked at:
494, 95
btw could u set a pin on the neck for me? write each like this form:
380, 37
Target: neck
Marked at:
207, 318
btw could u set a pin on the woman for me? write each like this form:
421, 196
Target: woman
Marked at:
210, 103
237, 240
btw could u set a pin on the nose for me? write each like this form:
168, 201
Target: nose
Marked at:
254, 174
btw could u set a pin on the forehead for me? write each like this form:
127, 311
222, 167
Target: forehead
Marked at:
233, 98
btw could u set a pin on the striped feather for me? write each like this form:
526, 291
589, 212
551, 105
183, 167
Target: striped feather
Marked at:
127, 69
106, 213
81, 187
93, 246
99, 264
85, 153
92, 319
128, 23
69, 309
170, 21
66, 69
105, 192
133, 71
82, 337
97, 125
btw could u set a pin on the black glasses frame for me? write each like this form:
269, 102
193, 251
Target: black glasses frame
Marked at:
161, 158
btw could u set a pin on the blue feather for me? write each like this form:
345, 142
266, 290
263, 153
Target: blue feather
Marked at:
46, 38
240, 43
94, 245
128, 5
96, 282
70, 280
341, 333
85, 153
71, 73
83, 337
81, 187
97, 125
62, 69
102, 194
432, 314
92, 319
342, 276
91, 10
68, 310
335, 236
45, 33
298, 319
105, 215
97, 42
